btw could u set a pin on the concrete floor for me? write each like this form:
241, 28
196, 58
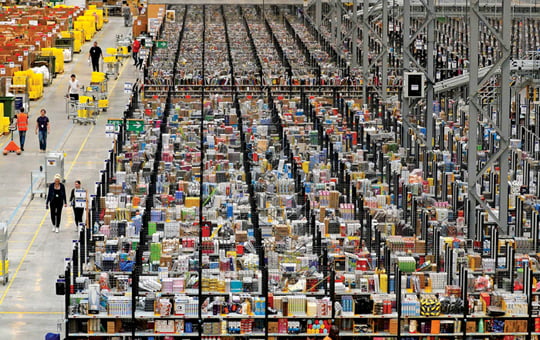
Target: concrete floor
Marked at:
29, 307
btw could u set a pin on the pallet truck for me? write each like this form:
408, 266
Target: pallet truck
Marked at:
12, 146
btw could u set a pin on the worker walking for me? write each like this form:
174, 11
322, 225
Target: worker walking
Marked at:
94, 55
73, 87
56, 199
126, 13
135, 48
22, 126
43, 127
78, 212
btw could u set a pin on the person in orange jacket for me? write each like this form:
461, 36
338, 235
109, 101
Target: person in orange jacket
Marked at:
22, 126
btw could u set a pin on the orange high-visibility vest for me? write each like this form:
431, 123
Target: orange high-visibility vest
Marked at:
22, 122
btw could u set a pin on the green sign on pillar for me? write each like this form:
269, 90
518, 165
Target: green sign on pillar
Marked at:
135, 125
115, 122
162, 44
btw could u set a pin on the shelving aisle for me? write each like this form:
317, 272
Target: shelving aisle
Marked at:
29, 307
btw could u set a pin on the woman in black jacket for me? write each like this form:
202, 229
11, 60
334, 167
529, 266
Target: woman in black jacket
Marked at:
56, 197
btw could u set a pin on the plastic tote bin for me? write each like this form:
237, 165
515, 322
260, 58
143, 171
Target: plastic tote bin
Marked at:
52, 336
9, 106
4, 271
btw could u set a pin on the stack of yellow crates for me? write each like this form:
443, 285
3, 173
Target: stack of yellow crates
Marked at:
32, 80
35, 85
83, 113
58, 53
87, 24
2, 123
97, 13
77, 36
4, 126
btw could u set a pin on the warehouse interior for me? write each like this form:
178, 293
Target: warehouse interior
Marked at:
271, 169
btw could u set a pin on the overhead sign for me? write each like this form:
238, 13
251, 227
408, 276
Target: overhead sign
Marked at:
135, 125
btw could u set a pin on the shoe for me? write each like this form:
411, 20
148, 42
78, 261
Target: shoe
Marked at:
53, 228
57, 229
22, 149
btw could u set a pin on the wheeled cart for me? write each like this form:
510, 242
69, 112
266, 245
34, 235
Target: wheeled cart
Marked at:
97, 91
4, 262
87, 112
112, 66
54, 164
37, 183
71, 107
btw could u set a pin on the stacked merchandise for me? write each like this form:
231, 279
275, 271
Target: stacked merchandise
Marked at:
270, 217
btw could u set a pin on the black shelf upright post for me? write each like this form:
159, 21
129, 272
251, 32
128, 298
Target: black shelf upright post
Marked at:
201, 146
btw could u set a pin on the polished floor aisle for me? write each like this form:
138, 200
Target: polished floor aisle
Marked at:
29, 307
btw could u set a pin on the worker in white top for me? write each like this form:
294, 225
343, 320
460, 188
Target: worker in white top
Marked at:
73, 86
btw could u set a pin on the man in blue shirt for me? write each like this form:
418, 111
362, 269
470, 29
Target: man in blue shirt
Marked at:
43, 127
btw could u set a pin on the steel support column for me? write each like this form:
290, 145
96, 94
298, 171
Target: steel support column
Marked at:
477, 112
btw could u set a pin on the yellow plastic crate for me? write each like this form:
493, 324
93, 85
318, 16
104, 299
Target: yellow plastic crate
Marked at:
82, 113
111, 50
97, 77
103, 103
98, 16
85, 99
110, 59
123, 50
19, 80
5, 124
2, 267
58, 53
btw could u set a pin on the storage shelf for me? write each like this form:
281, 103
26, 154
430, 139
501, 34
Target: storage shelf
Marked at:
296, 335
497, 334
100, 334
381, 334
431, 334
99, 316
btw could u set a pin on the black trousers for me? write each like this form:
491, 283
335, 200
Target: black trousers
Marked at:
95, 65
56, 213
78, 213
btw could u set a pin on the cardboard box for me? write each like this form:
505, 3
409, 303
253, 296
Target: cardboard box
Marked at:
241, 236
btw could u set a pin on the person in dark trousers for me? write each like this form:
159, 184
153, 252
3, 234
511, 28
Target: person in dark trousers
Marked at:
43, 126
22, 126
126, 13
56, 198
95, 54
77, 211
135, 48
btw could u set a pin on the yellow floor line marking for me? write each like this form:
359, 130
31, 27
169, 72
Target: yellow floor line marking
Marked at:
53, 313
80, 150
12, 279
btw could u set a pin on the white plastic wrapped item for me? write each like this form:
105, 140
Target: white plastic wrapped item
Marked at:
43, 70
67, 54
